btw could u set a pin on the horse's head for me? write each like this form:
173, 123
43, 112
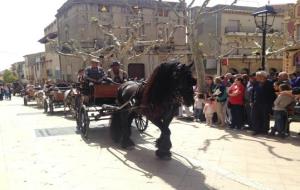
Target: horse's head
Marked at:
184, 82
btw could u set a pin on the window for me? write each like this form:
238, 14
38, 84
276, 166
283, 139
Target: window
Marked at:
298, 11
65, 14
233, 26
298, 32
200, 28
136, 70
162, 13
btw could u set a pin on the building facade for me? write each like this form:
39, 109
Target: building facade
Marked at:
291, 58
230, 37
74, 24
35, 68
52, 62
18, 69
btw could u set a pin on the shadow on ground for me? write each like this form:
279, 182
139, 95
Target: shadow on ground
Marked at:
262, 139
178, 172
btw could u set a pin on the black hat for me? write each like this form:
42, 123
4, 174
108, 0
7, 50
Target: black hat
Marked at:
115, 63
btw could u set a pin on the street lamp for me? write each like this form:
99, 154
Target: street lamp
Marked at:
264, 19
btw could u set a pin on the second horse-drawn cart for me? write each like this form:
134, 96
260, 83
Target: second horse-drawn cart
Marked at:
54, 97
100, 104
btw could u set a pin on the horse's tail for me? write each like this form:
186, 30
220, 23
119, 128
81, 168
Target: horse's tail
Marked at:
116, 126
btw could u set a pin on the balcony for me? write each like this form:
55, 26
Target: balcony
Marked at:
241, 31
244, 29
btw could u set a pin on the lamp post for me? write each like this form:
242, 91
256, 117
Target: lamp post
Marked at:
264, 19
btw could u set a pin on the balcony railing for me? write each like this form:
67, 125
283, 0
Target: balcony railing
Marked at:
248, 29
245, 29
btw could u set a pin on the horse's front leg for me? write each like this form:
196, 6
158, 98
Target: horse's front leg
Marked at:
126, 119
163, 143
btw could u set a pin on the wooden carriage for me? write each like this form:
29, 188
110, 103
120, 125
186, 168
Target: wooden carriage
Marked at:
102, 103
54, 98
30, 93
105, 90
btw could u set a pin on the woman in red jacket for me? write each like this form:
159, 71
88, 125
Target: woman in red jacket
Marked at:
236, 93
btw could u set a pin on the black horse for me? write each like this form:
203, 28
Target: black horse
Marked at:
169, 86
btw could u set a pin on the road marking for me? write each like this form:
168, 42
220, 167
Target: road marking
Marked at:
47, 132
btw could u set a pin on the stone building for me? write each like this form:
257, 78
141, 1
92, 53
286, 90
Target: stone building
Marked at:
52, 62
18, 69
291, 58
35, 68
74, 24
229, 35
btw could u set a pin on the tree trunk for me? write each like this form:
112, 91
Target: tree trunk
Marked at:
199, 64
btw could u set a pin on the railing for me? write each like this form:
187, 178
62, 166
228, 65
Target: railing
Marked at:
246, 29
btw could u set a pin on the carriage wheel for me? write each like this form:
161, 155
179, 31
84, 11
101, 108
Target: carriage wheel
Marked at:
141, 123
85, 122
45, 106
25, 100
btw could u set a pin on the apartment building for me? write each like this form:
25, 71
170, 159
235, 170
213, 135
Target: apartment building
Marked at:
230, 37
35, 68
74, 24
52, 62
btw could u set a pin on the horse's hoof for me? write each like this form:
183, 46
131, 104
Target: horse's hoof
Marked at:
130, 147
128, 144
163, 155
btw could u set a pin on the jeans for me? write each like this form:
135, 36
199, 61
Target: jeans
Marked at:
237, 116
198, 113
280, 118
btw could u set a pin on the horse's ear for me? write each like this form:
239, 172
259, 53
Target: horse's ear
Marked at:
179, 66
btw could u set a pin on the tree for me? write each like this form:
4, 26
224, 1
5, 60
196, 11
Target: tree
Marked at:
128, 45
9, 76
195, 45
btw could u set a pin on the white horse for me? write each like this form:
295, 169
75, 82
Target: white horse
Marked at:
70, 100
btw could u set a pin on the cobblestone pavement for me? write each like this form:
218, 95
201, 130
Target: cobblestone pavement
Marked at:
39, 151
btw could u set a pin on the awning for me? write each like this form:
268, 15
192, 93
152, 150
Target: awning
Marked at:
51, 35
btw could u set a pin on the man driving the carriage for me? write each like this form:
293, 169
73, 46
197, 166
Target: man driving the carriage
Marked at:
48, 85
92, 74
116, 74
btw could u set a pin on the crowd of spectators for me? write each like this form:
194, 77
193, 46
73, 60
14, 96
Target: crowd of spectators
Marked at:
5, 92
248, 101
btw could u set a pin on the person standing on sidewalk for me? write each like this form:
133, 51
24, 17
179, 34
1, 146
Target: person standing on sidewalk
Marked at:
220, 94
209, 110
198, 107
236, 95
262, 99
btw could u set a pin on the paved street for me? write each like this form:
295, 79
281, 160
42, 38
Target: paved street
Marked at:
39, 151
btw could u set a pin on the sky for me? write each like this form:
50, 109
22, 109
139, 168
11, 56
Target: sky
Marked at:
23, 23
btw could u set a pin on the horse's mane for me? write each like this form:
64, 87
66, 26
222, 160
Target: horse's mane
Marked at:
159, 85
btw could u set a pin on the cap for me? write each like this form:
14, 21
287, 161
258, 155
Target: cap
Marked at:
94, 60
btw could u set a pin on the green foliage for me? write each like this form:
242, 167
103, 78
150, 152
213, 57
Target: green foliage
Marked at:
9, 76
